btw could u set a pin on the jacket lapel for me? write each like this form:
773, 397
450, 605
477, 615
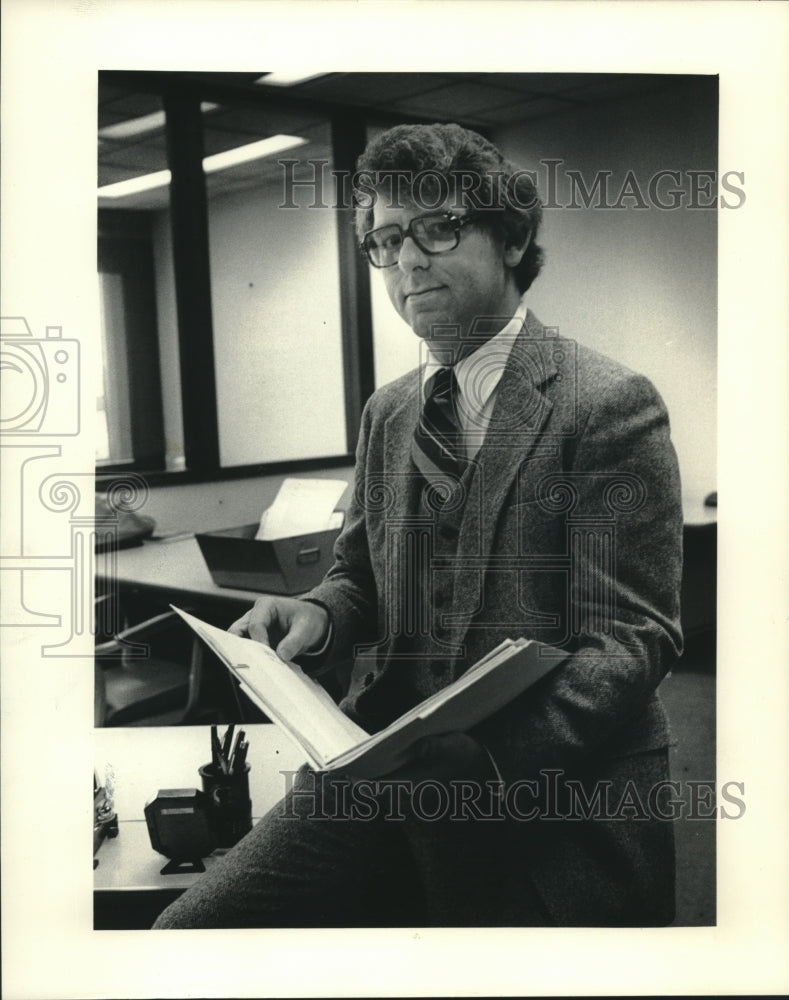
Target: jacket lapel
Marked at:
401, 477
519, 416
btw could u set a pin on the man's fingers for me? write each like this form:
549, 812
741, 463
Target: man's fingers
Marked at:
299, 626
255, 624
309, 628
300, 637
241, 626
258, 625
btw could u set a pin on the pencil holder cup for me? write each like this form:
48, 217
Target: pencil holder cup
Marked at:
229, 805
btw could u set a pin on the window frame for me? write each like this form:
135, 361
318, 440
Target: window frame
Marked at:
124, 248
181, 96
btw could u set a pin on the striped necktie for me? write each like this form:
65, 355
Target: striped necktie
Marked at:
436, 445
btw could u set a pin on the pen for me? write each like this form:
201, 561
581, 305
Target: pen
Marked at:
227, 741
216, 751
241, 756
240, 739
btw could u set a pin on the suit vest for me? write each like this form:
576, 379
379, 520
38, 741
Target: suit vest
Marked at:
417, 658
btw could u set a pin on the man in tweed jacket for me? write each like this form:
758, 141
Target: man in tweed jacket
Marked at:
564, 526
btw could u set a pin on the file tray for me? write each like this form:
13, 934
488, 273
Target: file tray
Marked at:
235, 558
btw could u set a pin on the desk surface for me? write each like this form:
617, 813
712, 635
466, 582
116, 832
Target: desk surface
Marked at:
128, 863
140, 761
174, 567
695, 512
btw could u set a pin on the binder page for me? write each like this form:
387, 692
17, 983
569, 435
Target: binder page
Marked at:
470, 699
282, 690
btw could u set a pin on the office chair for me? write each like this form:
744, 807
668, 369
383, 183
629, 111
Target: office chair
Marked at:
161, 689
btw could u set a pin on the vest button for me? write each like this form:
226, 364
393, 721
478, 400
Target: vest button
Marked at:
368, 679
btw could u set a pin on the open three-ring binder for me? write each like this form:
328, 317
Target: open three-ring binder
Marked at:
333, 742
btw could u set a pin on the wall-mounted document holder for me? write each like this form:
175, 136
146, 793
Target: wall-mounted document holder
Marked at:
235, 558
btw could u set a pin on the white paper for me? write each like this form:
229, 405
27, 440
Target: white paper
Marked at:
301, 507
303, 708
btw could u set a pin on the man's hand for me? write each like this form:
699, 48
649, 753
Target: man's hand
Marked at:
291, 627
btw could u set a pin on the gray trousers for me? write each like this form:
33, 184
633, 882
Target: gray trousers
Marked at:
313, 862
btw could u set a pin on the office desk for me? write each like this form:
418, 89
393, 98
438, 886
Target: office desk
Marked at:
694, 511
129, 888
700, 574
172, 571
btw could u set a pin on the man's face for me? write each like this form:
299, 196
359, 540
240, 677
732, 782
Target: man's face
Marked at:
452, 288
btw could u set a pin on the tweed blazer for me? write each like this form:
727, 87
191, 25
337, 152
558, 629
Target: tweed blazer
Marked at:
570, 532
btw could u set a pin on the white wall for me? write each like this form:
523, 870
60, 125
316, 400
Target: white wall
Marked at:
277, 334
637, 284
396, 349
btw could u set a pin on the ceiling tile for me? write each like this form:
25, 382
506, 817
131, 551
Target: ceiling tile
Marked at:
524, 83
139, 157
127, 106
524, 110
147, 200
456, 100
617, 86
371, 88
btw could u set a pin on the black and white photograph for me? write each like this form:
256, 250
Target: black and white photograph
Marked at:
351, 241
365, 544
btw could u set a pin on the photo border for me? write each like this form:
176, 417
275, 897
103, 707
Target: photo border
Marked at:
51, 54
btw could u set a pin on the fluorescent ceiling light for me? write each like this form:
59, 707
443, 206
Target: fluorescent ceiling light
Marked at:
147, 182
284, 78
138, 126
251, 151
211, 164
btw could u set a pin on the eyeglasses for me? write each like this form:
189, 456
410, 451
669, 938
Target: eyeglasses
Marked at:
433, 234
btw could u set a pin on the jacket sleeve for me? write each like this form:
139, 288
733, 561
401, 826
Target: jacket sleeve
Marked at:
348, 591
595, 702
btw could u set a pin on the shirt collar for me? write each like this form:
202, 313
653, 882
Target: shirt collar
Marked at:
491, 357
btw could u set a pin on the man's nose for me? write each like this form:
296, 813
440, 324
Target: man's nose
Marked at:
411, 256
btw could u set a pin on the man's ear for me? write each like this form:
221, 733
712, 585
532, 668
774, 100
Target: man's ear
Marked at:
513, 253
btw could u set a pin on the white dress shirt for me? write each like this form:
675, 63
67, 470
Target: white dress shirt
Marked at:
478, 376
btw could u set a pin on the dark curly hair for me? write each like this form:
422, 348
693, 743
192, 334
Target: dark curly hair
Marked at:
434, 162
